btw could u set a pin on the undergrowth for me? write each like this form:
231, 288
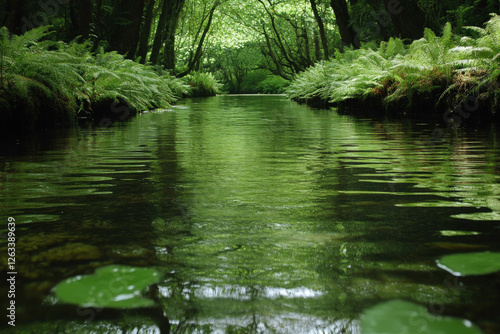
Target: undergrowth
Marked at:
46, 83
202, 84
437, 71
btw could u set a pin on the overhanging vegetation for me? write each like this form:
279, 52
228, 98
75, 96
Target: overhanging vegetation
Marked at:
431, 74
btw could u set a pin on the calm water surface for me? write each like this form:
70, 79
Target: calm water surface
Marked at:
266, 216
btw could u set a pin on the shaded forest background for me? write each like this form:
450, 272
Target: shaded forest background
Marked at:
251, 46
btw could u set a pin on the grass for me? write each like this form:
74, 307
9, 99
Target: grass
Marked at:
432, 73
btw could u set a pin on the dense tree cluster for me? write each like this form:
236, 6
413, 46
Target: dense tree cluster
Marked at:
234, 38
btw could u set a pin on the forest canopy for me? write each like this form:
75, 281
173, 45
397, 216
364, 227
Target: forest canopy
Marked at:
251, 46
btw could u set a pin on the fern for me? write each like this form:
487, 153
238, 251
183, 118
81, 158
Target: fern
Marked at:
431, 65
53, 80
202, 84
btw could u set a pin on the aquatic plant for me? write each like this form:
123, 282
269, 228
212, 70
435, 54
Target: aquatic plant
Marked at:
466, 264
114, 287
399, 316
111, 286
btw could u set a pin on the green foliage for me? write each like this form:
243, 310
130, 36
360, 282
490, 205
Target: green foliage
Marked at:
111, 77
260, 82
350, 75
202, 84
43, 87
251, 81
35, 85
273, 84
433, 67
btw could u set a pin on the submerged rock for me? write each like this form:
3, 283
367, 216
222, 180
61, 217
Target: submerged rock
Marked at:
69, 252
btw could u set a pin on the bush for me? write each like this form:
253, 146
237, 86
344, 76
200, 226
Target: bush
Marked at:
39, 87
262, 82
432, 68
273, 84
202, 85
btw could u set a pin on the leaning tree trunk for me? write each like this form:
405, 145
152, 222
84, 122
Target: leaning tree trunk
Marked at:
343, 22
199, 50
321, 28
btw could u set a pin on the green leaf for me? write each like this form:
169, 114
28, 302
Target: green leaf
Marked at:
399, 316
480, 263
112, 286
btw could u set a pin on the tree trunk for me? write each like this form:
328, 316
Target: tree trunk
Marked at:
173, 13
293, 64
85, 18
407, 17
158, 41
321, 27
197, 55
146, 31
343, 22
14, 20
98, 16
81, 18
165, 33
317, 46
130, 33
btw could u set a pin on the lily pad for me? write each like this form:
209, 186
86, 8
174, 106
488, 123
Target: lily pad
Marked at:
399, 316
112, 286
465, 264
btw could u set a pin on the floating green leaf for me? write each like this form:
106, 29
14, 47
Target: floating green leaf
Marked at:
399, 316
465, 264
112, 286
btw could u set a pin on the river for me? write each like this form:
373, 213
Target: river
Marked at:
265, 216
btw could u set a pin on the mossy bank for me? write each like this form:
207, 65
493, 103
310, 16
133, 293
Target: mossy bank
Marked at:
45, 84
451, 75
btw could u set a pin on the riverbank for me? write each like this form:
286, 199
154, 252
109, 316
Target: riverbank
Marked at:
46, 84
451, 75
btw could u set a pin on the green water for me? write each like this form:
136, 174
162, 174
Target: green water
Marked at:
266, 216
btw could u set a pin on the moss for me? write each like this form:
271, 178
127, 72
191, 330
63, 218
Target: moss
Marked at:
69, 253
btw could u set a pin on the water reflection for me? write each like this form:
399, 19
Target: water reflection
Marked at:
265, 215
